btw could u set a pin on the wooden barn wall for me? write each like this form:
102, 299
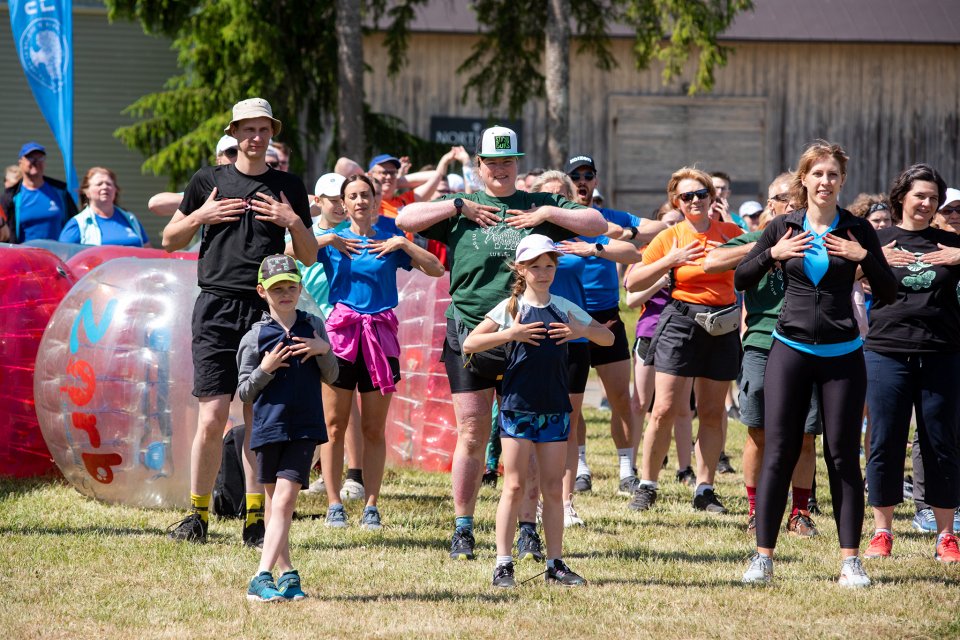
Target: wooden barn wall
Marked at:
888, 105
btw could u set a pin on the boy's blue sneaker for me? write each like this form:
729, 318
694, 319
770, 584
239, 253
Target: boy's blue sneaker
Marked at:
289, 586
925, 521
371, 519
263, 589
336, 517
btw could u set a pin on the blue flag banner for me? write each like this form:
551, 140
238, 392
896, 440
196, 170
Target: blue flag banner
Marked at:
43, 35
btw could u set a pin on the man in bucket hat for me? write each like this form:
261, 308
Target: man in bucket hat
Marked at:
242, 211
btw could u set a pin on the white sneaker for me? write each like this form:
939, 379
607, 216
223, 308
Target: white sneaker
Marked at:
760, 570
317, 486
852, 574
570, 516
352, 490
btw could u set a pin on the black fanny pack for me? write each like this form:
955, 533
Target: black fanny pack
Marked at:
490, 364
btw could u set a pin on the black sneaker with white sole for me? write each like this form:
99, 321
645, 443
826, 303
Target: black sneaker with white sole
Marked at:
253, 535
708, 501
583, 484
723, 464
190, 529
628, 485
529, 546
503, 576
461, 545
643, 498
560, 574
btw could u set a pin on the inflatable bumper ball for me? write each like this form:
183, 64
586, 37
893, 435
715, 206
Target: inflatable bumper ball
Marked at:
114, 380
32, 284
92, 257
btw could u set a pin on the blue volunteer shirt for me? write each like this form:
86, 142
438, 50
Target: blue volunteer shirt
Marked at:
40, 213
600, 281
113, 230
568, 282
364, 282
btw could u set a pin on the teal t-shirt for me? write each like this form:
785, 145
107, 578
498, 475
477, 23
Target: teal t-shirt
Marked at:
479, 274
314, 279
762, 303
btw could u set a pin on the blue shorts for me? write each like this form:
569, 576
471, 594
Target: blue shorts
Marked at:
535, 427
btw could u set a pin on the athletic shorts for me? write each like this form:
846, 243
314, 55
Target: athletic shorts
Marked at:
290, 460
578, 366
535, 427
640, 347
356, 375
750, 383
218, 326
461, 379
620, 349
681, 347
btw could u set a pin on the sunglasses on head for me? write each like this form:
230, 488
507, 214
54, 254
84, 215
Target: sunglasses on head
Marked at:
587, 175
699, 194
231, 153
781, 197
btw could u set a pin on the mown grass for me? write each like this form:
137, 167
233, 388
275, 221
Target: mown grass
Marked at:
75, 568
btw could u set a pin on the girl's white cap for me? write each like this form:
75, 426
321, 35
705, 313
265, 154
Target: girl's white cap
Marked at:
534, 246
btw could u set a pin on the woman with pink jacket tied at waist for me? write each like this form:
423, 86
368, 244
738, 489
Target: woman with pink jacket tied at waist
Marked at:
361, 265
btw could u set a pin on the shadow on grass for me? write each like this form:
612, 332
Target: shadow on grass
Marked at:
502, 596
84, 531
14, 487
661, 582
376, 540
639, 553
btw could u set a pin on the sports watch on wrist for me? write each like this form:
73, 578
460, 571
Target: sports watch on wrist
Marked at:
458, 204
599, 249
633, 232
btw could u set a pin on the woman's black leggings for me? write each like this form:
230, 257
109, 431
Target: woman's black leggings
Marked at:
789, 380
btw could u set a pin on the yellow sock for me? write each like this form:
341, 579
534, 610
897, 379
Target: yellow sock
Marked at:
254, 508
201, 505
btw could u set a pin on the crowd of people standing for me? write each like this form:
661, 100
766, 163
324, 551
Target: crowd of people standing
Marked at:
822, 315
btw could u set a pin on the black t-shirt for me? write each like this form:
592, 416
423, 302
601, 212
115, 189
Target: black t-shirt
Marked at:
231, 253
926, 315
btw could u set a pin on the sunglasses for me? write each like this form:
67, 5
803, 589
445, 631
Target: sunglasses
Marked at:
587, 175
781, 197
273, 165
948, 210
36, 159
699, 194
231, 153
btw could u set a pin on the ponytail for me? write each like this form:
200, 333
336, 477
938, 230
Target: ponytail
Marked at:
519, 286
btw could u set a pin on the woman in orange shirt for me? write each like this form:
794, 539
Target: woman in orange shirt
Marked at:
681, 347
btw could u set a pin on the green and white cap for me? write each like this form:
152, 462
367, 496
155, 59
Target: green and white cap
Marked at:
498, 142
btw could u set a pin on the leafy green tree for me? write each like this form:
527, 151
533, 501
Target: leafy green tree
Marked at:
283, 50
506, 63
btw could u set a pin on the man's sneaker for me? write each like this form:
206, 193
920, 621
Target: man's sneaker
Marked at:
263, 589
289, 586
760, 570
461, 545
570, 517
956, 520
490, 478
752, 525
708, 501
317, 486
925, 521
583, 484
627, 486
190, 529
813, 506
253, 535
687, 476
802, 526
529, 546
908, 488
561, 574
723, 464
503, 576
371, 519
852, 574
352, 490
881, 544
947, 549
336, 517
643, 498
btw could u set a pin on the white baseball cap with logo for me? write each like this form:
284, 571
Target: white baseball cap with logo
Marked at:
329, 185
952, 195
498, 142
534, 246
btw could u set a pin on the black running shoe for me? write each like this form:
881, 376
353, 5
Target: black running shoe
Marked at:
562, 575
723, 464
708, 501
190, 529
687, 477
503, 576
813, 506
643, 498
583, 484
253, 535
461, 545
529, 546
490, 478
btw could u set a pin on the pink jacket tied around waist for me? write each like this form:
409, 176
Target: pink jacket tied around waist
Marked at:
375, 333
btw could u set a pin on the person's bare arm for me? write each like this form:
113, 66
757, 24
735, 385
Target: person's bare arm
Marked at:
417, 216
165, 203
583, 222
643, 276
726, 258
639, 298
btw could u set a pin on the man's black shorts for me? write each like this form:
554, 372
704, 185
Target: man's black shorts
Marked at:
218, 326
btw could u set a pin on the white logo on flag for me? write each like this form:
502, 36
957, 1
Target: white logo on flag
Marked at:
43, 53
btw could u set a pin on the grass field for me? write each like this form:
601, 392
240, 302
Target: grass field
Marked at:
74, 568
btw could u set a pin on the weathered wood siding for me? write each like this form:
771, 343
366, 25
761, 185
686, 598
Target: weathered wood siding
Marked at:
888, 105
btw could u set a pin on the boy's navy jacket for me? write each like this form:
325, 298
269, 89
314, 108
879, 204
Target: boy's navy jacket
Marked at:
287, 403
